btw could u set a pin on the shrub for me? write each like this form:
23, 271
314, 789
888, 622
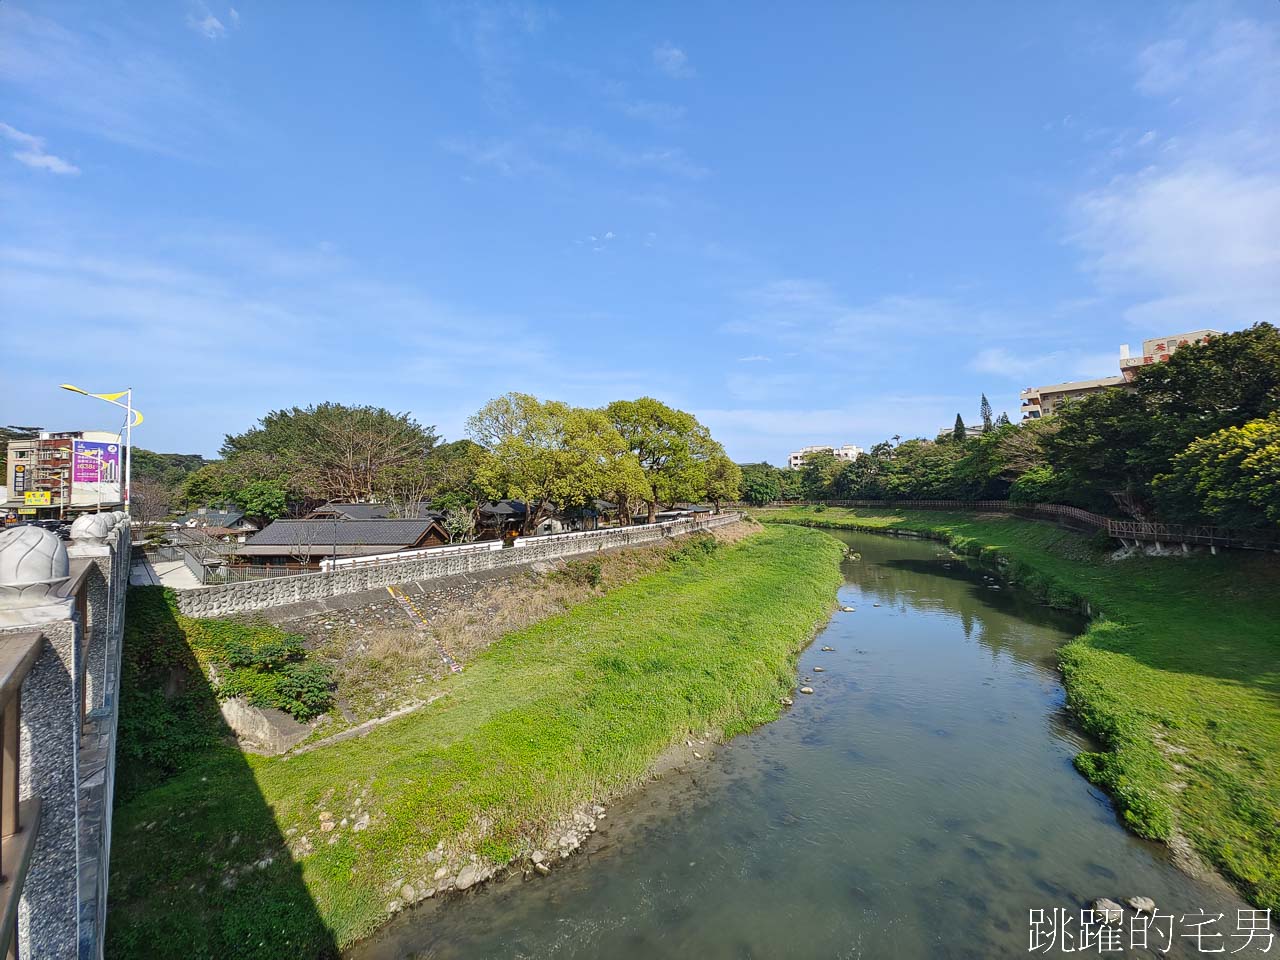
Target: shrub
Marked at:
581, 573
696, 548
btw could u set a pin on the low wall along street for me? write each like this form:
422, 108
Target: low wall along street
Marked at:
229, 598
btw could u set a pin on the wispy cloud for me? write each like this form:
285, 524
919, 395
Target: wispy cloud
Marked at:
1057, 366
492, 35
812, 313
207, 25
672, 61
31, 152
1193, 237
507, 158
522, 156
106, 79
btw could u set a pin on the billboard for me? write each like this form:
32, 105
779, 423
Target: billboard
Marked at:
37, 498
95, 472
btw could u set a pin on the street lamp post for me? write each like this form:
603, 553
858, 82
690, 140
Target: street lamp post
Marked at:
132, 419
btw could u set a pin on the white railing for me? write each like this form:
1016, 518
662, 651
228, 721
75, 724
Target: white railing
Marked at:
376, 559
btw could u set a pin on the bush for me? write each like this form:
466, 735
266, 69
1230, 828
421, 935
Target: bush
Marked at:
581, 573
696, 548
820, 508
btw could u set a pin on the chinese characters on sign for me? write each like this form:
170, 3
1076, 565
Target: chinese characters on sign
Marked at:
1091, 930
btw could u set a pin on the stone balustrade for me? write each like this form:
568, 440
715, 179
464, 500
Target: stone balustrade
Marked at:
61, 626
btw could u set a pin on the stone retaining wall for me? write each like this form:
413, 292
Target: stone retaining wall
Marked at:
229, 598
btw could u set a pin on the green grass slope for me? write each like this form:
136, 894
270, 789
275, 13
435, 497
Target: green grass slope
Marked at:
573, 708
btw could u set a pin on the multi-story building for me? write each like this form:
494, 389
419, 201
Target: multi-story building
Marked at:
52, 474
1159, 349
1040, 402
847, 453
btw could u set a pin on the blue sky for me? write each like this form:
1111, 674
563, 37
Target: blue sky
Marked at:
828, 223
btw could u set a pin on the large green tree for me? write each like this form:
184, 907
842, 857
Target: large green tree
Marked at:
328, 451
549, 454
671, 447
761, 483
1231, 477
723, 481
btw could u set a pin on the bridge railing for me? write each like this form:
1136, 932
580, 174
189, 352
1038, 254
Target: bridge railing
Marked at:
19, 819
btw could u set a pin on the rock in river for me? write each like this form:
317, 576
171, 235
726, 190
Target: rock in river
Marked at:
806, 689
1142, 904
1108, 911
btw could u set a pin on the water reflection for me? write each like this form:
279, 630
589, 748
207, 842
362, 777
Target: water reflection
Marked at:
918, 805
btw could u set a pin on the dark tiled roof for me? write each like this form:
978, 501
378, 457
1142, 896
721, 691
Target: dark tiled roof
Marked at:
212, 518
503, 508
346, 533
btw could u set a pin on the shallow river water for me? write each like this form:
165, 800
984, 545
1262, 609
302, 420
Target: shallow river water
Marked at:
918, 804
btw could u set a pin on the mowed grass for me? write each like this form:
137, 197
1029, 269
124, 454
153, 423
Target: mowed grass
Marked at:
1178, 675
573, 708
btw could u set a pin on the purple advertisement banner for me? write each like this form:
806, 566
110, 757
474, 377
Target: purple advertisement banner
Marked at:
95, 462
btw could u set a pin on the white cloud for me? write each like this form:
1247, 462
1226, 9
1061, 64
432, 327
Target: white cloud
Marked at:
31, 152
108, 78
1056, 366
492, 35
207, 24
234, 15
811, 313
672, 61
1194, 239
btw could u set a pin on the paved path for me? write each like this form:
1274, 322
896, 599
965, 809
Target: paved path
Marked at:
168, 573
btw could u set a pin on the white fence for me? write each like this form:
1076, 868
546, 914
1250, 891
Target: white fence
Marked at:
429, 564
375, 559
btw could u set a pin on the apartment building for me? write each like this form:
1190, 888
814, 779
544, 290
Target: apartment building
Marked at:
847, 454
50, 474
1159, 349
1040, 402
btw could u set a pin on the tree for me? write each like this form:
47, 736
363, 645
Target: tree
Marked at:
149, 502
1231, 477
984, 411
211, 485
818, 473
167, 469
760, 483
1002, 420
262, 500
405, 489
724, 480
549, 454
459, 523
671, 447
328, 451
1096, 448
958, 432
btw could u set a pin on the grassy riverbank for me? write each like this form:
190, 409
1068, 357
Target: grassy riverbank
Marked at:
232, 856
1178, 675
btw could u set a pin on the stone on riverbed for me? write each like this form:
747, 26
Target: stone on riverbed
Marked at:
787, 701
1143, 904
806, 689
827, 649
469, 876
819, 669
1108, 911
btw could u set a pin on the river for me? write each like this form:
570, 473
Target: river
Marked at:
918, 804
